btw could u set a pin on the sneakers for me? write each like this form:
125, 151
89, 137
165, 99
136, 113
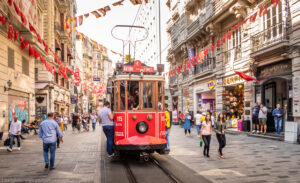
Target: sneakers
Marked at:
47, 165
9, 149
19, 148
253, 131
112, 155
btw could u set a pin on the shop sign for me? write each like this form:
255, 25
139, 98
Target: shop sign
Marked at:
277, 68
138, 68
232, 80
211, 84
18, 106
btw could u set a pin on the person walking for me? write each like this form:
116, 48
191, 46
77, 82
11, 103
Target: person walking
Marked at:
84, 121
15, 132
187, 123
49, 131
278, 114
65, 122
167, 127
262, 118
206, 133
255, 122
106, 117
197, 118
94, 121
75, 119
59, 121
220, 127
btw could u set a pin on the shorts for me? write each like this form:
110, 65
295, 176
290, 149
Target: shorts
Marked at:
74, 125
262, 121
255, 121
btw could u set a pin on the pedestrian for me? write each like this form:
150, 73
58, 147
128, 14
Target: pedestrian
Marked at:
167, 127
94, 121
220, 127
106, 117
79, 122
175, 119
255, 122
75, 119
187, 123
278, 114
84, 121
15, 132
49, 131
180, 119
206, 133
65, 122
262, 118
197, 118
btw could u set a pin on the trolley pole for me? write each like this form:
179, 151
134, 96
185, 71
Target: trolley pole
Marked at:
159, 33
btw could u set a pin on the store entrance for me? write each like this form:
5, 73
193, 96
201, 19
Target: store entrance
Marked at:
274, 92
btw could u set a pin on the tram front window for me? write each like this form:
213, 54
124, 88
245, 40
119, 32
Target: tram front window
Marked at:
147, 94
122, 93
133, 95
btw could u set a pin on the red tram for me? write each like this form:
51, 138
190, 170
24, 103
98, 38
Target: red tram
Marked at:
138, 95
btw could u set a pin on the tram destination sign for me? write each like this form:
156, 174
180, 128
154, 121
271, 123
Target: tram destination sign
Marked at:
137, 67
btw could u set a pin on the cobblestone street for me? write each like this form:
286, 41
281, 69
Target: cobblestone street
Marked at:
248, 159
78, 160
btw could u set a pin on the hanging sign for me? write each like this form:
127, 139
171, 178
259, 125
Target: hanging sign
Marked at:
137, 67
211, 84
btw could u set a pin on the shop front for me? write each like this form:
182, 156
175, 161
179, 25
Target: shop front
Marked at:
205, 97
233, 101
275, 87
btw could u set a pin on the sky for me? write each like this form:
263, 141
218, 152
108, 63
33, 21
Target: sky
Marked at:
100, 29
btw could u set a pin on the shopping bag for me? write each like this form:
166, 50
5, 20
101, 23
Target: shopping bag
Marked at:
201, 142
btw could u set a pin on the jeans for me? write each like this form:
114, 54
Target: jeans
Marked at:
278, 122
94, 126
185, 131
222, 142
12, 138
52, 148
198, 127
109, 133
206, 140
84, 125
167, 133
1, 135
65, 127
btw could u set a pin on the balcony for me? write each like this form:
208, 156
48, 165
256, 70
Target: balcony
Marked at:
232, 54
178, 32
208, 65
269, 39
185, 75
173, 80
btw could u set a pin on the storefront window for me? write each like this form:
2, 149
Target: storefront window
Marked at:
147, 94
234, 102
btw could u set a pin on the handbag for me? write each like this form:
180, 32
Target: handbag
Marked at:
201, 142
7, 142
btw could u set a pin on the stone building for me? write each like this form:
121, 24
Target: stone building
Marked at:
267, 48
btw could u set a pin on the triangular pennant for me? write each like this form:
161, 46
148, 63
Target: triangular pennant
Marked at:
119, 3
224, 39
263, 10
212, 47
16, 33
218, 43
253, 17
86, 15
97, 15
80, 20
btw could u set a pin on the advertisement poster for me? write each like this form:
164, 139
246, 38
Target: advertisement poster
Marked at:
18, 106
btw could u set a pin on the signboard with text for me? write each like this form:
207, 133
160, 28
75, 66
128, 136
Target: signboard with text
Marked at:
137, 67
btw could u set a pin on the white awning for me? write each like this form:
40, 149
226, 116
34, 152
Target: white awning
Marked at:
40, 85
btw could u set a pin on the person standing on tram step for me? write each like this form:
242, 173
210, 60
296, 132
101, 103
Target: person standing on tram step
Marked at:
15, 132
167, 127
262, 117
49, 131
278, 114
206, 133
197, 118
94, 121
255, 122
106, 117
220, 127
187, 123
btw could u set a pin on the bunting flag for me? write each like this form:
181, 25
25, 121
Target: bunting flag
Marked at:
218, 43
275, 3
136, 2
97, 15
16, 33
212, 47
119, 3
104, 10
263, 10
196, 59
86, 15
3, 20
74, 21
80, 20
10, 32
228, 36
224, 39
253, 17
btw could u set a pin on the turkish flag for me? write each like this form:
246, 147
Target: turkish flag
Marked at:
245, 76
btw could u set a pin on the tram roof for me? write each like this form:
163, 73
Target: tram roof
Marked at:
133, 77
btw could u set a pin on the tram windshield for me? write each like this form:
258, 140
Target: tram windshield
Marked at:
138, 95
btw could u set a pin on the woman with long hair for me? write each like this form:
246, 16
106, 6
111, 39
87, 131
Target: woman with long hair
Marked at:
220, 127
206, 133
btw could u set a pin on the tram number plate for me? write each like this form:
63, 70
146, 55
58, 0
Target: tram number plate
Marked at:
119, 118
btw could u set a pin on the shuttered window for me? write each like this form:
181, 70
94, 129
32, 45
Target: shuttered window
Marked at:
11, 58
25, 66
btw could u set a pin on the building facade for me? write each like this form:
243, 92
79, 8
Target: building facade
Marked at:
267, 48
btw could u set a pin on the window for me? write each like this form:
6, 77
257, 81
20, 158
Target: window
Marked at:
62, 82
147, 94
133, 95
62, 52
25, 66
160, 96
11, 58
36, 73
56, 78
67, 85
123, 95
233, 46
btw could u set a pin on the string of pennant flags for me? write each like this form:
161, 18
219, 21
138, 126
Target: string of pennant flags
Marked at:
198, 58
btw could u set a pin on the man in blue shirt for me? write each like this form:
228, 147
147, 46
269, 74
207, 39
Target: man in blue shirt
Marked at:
255, 122
49, 131
277, 113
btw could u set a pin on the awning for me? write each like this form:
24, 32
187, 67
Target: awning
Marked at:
40, 85
69, 52
57, 46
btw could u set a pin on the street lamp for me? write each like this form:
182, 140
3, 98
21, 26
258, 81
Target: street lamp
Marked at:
9, 83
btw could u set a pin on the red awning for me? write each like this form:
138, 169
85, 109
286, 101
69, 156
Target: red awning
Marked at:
57, 46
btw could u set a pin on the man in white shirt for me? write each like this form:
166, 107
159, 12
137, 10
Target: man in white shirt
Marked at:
66, 119
94, 120
197, 118
15, 132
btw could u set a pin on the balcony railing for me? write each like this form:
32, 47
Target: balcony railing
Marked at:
173, 80
232, 54
268, 37
209, 64
185, 75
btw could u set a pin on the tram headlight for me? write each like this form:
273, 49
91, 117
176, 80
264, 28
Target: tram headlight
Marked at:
142, 127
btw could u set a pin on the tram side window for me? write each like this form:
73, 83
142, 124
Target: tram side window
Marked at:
122, 93
160, 96
133, 95
147, 94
